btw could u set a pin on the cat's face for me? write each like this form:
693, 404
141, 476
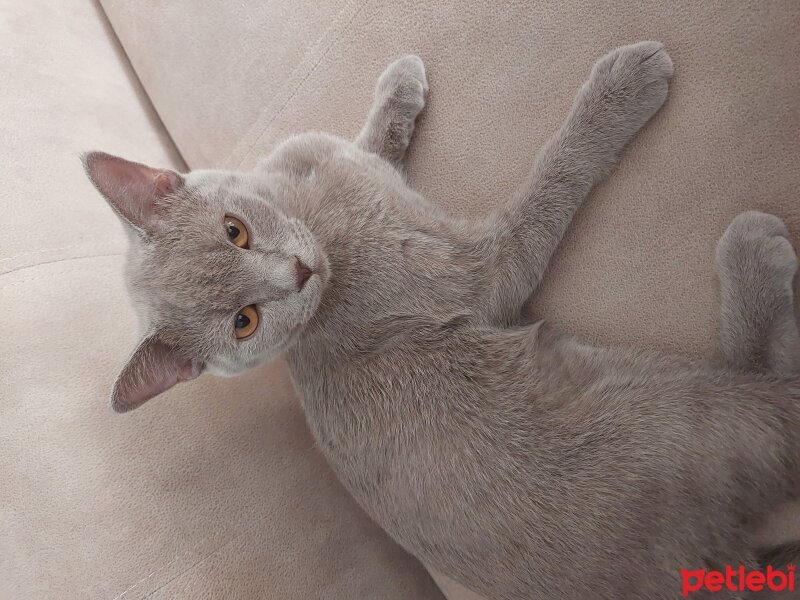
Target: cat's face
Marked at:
224, 275
221, 278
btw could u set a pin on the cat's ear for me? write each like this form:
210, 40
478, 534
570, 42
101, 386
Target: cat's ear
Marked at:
153, 368
134, 190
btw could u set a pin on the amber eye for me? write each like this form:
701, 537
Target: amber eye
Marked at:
237, 232
246, 322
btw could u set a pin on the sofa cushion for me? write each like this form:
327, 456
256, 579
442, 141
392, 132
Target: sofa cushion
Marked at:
637, 265
215, 491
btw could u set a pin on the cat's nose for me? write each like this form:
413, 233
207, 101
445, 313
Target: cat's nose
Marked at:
302, 273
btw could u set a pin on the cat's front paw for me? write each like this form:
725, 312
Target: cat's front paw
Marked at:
628, 85
404, 81
755, 249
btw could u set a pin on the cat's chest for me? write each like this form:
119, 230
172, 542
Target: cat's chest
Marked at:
370, 444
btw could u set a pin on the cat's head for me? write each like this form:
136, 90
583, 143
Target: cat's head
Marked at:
221, 278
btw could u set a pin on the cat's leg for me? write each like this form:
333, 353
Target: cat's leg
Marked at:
399, 98
756, 265
626, 87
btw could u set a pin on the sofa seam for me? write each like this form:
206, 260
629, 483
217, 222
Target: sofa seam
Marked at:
139, 88
54, 260
263, 129
161, 569
41, 251
54, 275
180, 574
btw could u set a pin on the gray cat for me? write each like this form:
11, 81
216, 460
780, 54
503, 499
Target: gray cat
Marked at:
517, 460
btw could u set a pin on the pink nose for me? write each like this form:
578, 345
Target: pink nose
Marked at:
303, 273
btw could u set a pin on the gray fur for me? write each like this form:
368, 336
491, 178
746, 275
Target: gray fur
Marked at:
513, 458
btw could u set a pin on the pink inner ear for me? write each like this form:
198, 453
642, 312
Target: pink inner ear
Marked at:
166, 183
153, 368
132, 189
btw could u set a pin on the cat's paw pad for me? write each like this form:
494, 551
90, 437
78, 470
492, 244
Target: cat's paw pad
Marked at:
405, 81
757, 241
631, 81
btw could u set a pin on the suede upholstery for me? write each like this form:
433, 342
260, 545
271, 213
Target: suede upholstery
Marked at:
215, 490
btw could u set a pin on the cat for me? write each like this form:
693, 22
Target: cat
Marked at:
515, 459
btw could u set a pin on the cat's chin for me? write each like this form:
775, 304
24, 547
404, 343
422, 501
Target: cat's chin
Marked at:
223, 372
233, 370
228, 372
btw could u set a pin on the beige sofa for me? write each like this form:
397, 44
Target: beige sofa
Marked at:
216, 490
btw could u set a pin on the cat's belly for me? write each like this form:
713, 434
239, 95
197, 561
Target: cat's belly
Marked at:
486, 533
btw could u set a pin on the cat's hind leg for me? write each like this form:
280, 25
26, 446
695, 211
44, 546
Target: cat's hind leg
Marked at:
756, 264
399, 98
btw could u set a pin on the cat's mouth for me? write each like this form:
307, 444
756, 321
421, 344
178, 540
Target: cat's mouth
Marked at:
302, 273
311, 275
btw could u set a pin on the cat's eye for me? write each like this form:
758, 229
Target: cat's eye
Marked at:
246, 322
237, 232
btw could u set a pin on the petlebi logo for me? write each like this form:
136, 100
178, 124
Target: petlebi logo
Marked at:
737, 580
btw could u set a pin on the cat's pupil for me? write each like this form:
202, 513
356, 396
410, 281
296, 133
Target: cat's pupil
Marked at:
233, 232
242, 320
